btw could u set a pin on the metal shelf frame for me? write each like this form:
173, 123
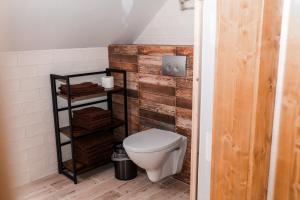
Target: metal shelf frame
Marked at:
66, 79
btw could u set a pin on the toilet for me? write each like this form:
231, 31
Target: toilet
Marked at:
159, 152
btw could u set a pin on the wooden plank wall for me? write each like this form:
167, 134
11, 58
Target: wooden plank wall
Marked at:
247, 57
155, 100
287, 182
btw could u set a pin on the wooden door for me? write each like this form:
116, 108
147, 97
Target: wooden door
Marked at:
246, 66
287, 182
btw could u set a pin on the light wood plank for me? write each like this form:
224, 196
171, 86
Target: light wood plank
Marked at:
246, 64
100, 184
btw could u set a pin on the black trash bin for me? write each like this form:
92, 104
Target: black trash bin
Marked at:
125, 169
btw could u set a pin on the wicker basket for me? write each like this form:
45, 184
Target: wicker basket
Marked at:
94, 149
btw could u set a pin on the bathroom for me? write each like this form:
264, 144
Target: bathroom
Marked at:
139, 99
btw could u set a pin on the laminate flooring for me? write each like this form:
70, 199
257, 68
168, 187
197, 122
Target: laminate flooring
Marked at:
101, 184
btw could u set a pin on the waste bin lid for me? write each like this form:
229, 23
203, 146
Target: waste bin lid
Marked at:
119, 157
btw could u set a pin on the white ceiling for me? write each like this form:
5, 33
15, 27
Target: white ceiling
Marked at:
55, 24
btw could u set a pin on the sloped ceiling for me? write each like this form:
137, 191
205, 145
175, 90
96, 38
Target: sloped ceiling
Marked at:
56, 24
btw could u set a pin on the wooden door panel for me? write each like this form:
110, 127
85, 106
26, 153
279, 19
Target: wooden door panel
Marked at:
246, 65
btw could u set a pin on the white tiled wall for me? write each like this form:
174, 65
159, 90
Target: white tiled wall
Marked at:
170, 26
25, 86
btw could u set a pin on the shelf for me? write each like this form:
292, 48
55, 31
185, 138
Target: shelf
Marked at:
66, 168
80, 132
80, 168
116, 89
69, 165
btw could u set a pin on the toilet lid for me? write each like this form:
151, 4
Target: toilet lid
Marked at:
151, 140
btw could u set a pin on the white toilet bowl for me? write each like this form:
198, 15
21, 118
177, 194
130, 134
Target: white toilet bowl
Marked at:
159, 152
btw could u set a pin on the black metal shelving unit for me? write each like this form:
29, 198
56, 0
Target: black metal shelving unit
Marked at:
69, 131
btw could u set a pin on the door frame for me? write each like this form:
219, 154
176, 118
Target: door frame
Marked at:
203, 93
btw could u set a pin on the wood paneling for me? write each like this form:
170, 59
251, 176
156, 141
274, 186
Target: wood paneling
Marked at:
120, 58
130, 67
167, 100
185, 51
123, 49
247, 56
156, 124
156, 101
150, 64
184, 83
157, 116
157, 107
184, 118
287, 183
156, 89
156, 50
157, 80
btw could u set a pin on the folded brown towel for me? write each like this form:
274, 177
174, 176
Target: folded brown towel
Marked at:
91, 118
86, 88
91, 125
92, 113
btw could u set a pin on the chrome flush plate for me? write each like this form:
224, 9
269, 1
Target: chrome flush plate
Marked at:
174, 66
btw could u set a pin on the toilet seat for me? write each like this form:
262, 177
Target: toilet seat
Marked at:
152, 140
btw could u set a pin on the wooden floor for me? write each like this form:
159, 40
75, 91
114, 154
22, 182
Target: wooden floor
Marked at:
101, 185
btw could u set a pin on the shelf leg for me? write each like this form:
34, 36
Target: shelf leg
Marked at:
71, 129
125, 103
56, 124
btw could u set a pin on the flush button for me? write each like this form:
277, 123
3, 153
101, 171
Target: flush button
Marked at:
174, 66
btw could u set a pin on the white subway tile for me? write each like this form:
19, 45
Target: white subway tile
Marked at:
28, 101
35, 83
8, 58
68, 55
16, 72
36, 106
38, 129
28, 119
45, 93
95, 53
35, 57
14, 133
20, 179
19, 97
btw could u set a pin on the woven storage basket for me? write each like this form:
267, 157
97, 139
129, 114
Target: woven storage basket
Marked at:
94, 149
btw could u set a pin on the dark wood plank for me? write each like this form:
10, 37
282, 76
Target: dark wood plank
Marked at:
150, 64
129, 67
163, 90
133, 93
156, 107
156, 50
157, 116
156, 124
185, 93
157, 80
162, 99
183, 131
189, 62
185, 51
131, 76
184, 83
184, 103
130, 84
120, 58
133, 107
123, 49
184, 118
